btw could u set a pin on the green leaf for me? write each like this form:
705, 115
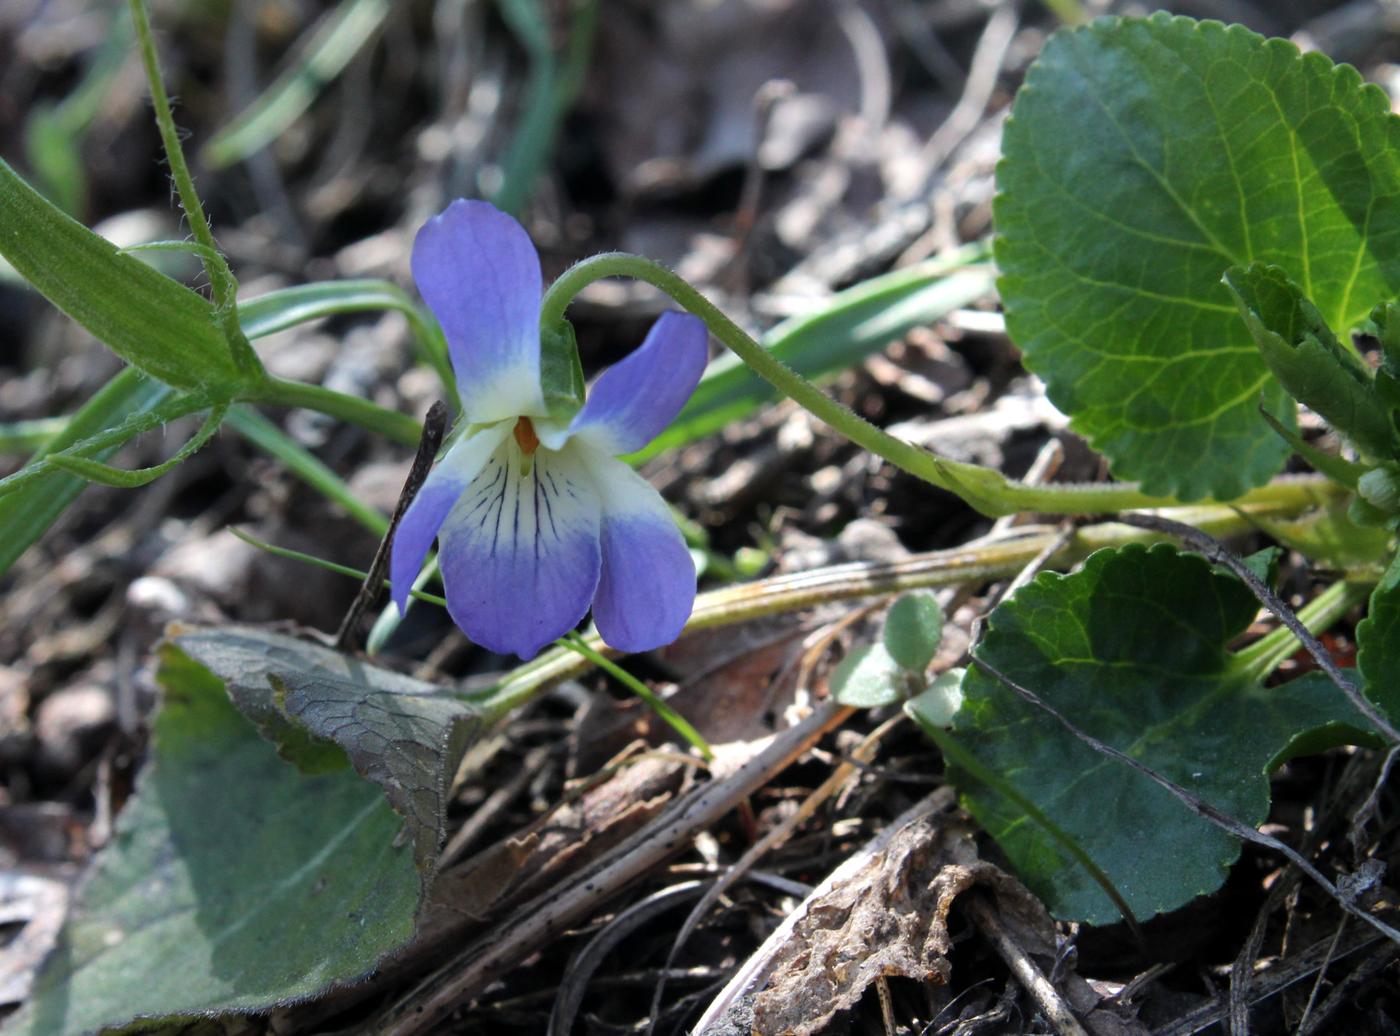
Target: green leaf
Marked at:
1328, 537
937, 705
26, 514
1132, 650
301, 462
107, 475
404, 735
1307, 359
323, 56
143, 316
1143, 159
913, 629
1378, 644
852, 326
234, 882
868, 678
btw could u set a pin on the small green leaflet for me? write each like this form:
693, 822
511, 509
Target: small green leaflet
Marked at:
1132, 650
1143, 158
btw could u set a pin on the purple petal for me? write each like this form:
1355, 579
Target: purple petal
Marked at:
647, 587
440, 491
634, 400
519, 552
480, 275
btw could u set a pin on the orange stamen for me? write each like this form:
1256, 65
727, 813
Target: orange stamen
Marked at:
525, 436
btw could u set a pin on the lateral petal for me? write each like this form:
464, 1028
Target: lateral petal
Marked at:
479, 273
519, 551
646, 589
443, 487
633, 400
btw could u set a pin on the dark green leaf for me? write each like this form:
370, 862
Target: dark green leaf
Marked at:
857, 323
1132, 650
1307, 359
143, 316
234, 883
1144, 157
405, 735
914, 629
1378, 644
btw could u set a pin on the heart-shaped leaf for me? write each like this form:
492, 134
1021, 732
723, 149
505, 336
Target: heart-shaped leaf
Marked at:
1132, 650
320, 707
1143, 158
238, 880
234, 883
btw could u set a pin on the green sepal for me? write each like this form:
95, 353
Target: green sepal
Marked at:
561, 372
1303, 353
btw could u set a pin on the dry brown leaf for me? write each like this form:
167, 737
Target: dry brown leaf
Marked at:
890, 919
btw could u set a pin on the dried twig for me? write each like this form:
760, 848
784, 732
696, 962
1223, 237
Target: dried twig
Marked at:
1216, 552
541, 919
433, 426
1046, 996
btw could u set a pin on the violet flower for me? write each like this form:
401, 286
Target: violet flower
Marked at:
536, 518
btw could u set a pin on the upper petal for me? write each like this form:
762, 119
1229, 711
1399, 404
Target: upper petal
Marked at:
519, 552
634, 400
479, 273
646, 590
440, 491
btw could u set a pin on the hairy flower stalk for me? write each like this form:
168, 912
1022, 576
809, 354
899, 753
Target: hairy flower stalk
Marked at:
536, 518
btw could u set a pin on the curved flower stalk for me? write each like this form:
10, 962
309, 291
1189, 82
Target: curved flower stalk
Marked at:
536, 518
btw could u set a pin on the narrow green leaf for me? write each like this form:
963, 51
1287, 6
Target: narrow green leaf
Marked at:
1306, 357
850, 327
318, 61
1132, 650
288, 307
107, 475
914, 629
143, 316
25, 436
305, 465
1328, 537
26, 514
1378, 644
234, 882
1143, 158
1338, 469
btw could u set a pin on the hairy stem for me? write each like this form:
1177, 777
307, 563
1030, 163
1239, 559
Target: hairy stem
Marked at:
983, 488
222, 285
